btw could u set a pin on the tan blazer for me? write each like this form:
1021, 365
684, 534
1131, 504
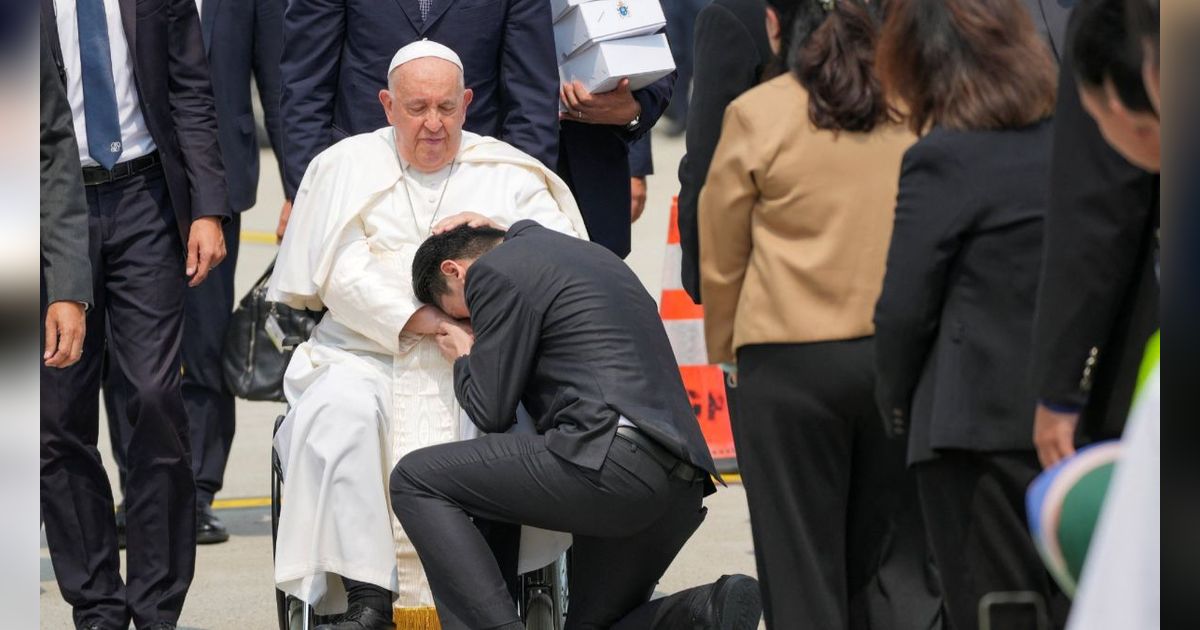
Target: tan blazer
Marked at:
794, 224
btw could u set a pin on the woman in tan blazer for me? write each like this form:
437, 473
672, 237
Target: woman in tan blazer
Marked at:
795, 219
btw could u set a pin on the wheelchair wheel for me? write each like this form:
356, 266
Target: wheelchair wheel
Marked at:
292, 613
540, 613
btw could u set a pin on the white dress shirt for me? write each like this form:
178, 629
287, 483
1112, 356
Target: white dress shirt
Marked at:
135, 136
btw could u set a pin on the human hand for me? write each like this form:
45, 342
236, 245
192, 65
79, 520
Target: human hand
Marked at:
615, 107
471, 219
454, 340
427, 320
65, 329
285, 213
637, 196
1053, 435
206, 248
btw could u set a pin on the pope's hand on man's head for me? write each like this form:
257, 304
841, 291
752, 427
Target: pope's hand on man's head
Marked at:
455, 340
471, 219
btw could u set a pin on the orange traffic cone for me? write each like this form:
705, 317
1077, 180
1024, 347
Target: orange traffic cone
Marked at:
705, 383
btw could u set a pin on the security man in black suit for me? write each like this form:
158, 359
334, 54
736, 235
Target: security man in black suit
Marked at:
137, 81
565, 328
242, 38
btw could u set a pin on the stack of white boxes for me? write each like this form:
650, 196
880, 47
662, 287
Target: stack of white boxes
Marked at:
600, 42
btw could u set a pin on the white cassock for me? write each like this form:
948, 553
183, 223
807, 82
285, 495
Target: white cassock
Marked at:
361, 395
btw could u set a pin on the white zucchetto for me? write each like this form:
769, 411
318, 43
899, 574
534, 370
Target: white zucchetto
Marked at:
421, 49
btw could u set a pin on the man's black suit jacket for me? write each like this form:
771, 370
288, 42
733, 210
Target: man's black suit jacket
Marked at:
954, 321
175, 96
1099, 290
336, 54
732, 53
594, 161
565, 327
244, 38
66, 269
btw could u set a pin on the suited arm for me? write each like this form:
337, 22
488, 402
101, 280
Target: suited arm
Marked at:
725, 67
653, 100
64, 214
268, 49
926, 237
490, 381
368, 293
313, 31
726, 204
1100, 209
529, 79
193, 111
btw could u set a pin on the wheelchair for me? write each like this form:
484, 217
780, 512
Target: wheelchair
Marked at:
541, 602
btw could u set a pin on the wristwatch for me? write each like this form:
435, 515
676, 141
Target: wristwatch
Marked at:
633, 124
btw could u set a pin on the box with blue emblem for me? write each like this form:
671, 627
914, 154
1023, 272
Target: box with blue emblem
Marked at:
587, 24
643, 60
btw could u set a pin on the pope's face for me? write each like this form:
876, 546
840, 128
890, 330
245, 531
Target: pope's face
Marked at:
427, 105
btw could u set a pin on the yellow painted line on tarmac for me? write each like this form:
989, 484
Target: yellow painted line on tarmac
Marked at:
259, 237
244, 502
732, 477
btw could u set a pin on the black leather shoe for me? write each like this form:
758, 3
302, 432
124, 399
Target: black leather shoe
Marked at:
731, 603
162, 625
209, 529
92, 625
121, 526
735, 604
360, 617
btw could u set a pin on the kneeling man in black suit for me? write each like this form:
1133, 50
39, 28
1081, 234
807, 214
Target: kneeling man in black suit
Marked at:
564, 327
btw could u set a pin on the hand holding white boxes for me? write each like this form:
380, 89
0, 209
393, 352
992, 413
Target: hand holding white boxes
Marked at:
600, 42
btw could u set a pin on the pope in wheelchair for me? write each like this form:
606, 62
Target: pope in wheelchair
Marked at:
370, 385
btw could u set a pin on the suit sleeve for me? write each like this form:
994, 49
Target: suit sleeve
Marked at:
268, 50
1100, 209
726, 204
529, 81
725, 67
926, 237
64, 215
490, 381
654, 99
313, 31
194, 112
641, 157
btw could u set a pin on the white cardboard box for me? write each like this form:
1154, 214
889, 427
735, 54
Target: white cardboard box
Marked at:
643, 60
559, 8
591, 22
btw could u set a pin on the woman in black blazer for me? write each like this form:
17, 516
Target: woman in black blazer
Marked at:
954, 321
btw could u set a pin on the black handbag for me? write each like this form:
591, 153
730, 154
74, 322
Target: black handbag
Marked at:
260, 340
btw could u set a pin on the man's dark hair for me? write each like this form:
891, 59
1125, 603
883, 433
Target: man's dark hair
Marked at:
1098, 46
461, 243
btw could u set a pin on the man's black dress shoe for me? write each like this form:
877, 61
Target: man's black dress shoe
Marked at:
360, 617
209, 528
735, 603
731, 603
162, 625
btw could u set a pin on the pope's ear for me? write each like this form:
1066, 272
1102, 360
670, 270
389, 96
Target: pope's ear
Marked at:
385, 99
468, 96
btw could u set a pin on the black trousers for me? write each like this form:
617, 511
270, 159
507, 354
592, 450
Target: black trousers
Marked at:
209, 405
837, 534
629, 520
138, 271
974, 505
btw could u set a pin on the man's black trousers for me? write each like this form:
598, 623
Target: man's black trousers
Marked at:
207, 401
138, 277
629, 520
